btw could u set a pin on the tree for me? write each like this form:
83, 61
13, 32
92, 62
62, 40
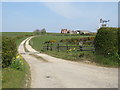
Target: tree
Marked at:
43, 31
40, 32
37, 32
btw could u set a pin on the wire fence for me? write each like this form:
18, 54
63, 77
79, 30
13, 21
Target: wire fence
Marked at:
66, 47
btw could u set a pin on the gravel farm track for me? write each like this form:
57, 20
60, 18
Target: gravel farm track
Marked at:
51, 72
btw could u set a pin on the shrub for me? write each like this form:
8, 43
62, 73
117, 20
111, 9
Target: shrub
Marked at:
63, 40
43, 31
9, 50
106, 41
52, 41
37, 32
119, 41
40, 32
77, 40
91, 38
17, 63
46, 42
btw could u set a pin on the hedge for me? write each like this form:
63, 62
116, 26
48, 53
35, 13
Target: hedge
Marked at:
106, 41
77, 40
9, 50
119, 41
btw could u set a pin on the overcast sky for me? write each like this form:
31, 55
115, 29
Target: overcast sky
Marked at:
28, 16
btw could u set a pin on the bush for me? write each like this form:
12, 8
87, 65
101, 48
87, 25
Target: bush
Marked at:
52, 41
43, 31
106, 41
37, 32
77, 40
17, 63
119, 41
9, 50
40, 32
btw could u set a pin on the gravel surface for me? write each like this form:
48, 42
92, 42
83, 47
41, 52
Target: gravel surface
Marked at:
59, 73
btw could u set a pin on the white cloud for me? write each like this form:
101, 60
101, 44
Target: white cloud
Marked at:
71, 11
65, 9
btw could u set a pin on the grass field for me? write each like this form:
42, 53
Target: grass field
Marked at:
13, 78
83, 56
37, 42
15, 34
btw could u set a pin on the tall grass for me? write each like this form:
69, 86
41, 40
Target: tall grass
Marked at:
13, 78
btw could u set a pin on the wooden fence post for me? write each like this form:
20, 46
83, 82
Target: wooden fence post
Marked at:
67, 47
47, 46
58, 47
43, 46
51, 46
80, 47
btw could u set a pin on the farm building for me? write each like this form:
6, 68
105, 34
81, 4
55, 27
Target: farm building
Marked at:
72, 32
83, 32
64, 31
68, 31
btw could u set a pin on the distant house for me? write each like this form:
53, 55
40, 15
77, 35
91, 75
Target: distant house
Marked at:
68, 31
64, 30
72, 32
83, 32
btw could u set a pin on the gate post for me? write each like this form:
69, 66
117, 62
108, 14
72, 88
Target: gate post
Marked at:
51, 46
47, 46
58, 47
67, 47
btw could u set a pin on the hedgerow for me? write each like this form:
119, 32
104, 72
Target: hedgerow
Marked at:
9, 51
119, 41
106, 41
77, 40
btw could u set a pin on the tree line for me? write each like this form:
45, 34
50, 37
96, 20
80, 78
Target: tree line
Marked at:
40, 32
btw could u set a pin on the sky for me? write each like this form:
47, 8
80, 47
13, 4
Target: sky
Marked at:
0, 17
54, 16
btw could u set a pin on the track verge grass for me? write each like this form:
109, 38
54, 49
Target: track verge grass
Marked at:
12, 78
79, 56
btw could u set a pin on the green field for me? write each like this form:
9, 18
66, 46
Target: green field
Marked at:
13, 78
15, 34
18, 36
82, 56
37, 42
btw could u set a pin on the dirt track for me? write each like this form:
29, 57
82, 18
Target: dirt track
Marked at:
59, 73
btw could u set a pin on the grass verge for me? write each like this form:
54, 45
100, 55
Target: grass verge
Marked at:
81, 56
86, 57
13, 78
